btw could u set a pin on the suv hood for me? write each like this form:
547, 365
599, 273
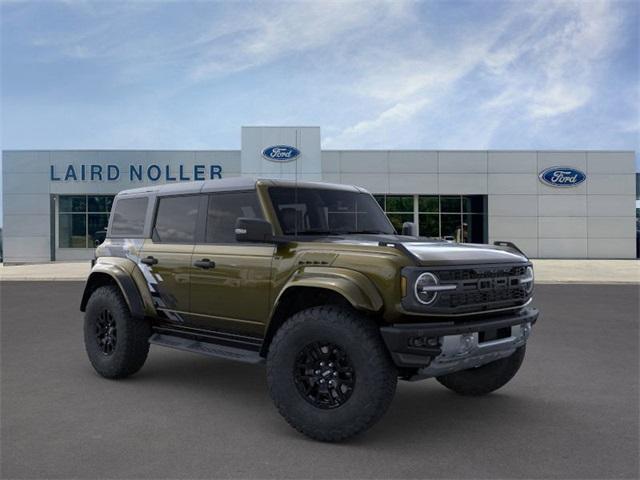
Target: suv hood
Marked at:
426, 251
461, 254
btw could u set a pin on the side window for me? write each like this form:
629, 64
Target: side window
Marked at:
225, 209
128, 217
176, 219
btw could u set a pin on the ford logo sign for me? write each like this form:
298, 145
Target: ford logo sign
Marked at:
562, 177
281, 153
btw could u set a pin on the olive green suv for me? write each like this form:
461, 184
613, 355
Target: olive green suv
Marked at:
313, 280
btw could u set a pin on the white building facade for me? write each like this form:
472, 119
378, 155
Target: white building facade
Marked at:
551, 204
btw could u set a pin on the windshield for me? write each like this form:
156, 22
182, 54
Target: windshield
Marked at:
315, 211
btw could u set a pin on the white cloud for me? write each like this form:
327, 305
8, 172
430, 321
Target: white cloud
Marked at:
543, 57
398, 113
232, 37
372, 73
261, 37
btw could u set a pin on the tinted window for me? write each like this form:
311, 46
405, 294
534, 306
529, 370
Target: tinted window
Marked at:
176, 219
128, 217
314, 211
225, 209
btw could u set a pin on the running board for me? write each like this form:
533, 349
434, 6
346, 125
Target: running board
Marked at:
206, 348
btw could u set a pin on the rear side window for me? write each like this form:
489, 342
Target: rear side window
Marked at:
128, 217
225, 209
176, 219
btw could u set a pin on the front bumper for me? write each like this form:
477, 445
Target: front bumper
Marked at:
435, 349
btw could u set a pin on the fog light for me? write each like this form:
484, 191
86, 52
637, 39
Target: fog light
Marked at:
420, 342
466, 342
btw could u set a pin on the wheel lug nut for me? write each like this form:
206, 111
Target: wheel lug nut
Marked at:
322, 364
335, 374
331, 364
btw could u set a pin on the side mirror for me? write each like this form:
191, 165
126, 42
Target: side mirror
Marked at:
253, 230
408, 228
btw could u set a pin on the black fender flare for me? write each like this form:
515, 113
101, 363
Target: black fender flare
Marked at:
103, 274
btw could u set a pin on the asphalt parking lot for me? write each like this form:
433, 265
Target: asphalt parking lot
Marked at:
571, 412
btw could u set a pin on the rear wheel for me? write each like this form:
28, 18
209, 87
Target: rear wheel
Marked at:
485, 379
329, 373
117, 345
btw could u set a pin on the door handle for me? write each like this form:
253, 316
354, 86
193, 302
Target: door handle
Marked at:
149, 260
204, 263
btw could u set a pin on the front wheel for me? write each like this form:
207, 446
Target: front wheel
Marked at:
485, 379
329, 373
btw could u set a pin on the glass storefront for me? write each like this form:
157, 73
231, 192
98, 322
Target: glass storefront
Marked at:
82, 219
462, 218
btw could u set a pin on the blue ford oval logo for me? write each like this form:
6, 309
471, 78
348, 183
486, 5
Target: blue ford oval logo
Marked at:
281, 153
562, 177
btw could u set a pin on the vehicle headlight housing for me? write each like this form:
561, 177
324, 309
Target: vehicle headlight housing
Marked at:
527, 280
425, 288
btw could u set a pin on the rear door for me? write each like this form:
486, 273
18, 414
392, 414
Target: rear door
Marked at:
230, 281
168, 253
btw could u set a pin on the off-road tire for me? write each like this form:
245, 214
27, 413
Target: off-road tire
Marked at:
132, 340
375, 374
485, 379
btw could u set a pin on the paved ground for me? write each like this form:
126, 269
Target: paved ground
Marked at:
547, 271
572, 411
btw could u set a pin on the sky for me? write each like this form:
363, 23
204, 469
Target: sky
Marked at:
395, 75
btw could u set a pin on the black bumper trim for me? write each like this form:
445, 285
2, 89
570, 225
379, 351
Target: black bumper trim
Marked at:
396, 336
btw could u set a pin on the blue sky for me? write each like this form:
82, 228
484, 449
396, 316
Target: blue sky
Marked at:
402, 74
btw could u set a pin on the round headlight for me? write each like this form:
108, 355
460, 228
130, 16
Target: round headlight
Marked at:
527, 280
424, 291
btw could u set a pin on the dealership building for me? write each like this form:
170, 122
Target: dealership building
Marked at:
551, 204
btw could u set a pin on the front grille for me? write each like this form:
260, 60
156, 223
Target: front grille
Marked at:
483, 288
480, 272
475, 298
478, 288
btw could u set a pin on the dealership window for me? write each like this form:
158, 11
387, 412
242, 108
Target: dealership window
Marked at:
80, 217
455, 217
399, 208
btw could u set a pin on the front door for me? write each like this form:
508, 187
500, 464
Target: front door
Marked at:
230, 282
166, 258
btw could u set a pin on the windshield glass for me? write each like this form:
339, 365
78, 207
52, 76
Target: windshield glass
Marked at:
309, 211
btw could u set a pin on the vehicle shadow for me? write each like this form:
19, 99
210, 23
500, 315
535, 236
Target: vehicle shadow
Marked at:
418, 410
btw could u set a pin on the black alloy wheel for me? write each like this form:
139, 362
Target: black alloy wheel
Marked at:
329, 372
324, 375
106, 332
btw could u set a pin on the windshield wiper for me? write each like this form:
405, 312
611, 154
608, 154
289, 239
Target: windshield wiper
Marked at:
370, 232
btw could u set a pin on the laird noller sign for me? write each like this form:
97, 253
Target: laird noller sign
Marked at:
133, 173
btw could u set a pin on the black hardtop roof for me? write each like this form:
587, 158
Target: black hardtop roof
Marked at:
228, 184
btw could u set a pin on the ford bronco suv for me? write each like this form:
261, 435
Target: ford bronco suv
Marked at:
313, 280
